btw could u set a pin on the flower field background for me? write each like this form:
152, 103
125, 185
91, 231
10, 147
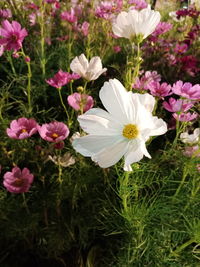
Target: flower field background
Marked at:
100, 133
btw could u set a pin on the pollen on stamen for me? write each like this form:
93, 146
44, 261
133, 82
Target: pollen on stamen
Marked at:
130, 131
54, 135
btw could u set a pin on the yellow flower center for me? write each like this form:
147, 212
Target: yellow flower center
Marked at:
23, 130
130, 131
54, 135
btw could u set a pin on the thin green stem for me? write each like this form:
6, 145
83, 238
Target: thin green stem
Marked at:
185, 173
61, 100
29, 76
25, 203
123, 191
138, 63
11, 64
183, 246
42, 40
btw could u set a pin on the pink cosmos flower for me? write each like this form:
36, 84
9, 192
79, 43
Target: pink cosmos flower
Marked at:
138, 4
175, 105
189, 64
61, 78
80, 101
22, 128
162, 28
5, 13
69, 16
107, 9
180, 48
186, 90
85, 28
144, 82
53, 131
192, 151
18, 181
185, 116
160, 89
117, 49
12, 35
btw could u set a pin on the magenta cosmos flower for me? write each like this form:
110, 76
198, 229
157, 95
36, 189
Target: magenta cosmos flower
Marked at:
61, 78
80, 101
186, 90
174, 105
160, 89
22, 128
18, 181
53, 131
12, 35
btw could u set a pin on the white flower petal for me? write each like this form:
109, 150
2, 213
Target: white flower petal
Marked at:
111, 155
92, 144
99, 125
79, 65
116, 100
134, 153
160, 127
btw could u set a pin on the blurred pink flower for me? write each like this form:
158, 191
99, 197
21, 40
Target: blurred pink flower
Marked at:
117, 48
107, 10
189, 64
5, 13
18, 181
138, 4
192, 151
61, 78
22, 128
186, 90
162, 28
53, 131
69, 16
185, 116
198, 167
174, 105
85, 28
160, 89
80, 101
12, 35
180, 48
143, 83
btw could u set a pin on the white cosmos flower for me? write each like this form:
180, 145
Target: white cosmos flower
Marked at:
120, 131
190, 138
88, 70
135, 22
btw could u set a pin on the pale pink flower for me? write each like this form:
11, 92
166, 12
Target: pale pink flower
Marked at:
80, 101
144, 82
192, 151
138, 4
186, 90
107, 9
192, 138
185, 116
69, 16
180, 48
61, 78
22, 128
85, 28
53, 131
174, 105
18, 181
5, 13
160, 89
12, 35
89, 70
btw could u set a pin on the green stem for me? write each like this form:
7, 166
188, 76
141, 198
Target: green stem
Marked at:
42, 41
138, 62
185, 172
123, 191
25, 204
61, 100
29, 76
11, 64
183, 246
